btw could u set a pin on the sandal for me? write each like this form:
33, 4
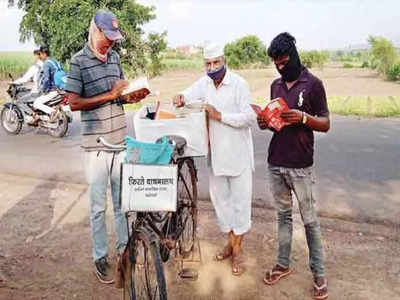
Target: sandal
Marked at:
321, 292
237, 265
224, 253
276, 274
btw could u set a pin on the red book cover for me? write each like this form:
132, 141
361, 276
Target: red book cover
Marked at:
272, 113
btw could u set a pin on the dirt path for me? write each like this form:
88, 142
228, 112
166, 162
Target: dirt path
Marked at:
362, 261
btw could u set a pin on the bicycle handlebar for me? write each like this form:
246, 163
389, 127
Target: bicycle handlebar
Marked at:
177, 143
114, 147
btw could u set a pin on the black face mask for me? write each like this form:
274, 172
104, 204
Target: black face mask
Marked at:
292, 70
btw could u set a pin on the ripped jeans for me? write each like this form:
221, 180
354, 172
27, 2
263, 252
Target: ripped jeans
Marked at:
282, 182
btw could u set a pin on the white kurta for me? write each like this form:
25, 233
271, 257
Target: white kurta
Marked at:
33, 73
231, 148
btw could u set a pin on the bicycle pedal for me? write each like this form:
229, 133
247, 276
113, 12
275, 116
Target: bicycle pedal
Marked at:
188, 274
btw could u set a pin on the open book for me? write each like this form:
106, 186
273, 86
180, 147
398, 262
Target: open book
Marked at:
137, 84
272, 113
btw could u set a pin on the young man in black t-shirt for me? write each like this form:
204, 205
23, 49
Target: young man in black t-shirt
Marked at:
290, 157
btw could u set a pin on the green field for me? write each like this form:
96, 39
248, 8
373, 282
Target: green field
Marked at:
361, 106
183, 64
365, 106
15, 63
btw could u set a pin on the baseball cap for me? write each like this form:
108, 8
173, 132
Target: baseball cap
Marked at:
107, 22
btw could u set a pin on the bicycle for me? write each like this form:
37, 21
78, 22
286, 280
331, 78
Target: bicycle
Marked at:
153, 235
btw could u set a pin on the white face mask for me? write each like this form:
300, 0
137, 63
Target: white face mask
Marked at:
98, 42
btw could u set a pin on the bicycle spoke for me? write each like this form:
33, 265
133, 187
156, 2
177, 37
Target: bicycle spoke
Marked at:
187, 216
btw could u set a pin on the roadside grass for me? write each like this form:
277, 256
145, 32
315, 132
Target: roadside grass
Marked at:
359, 106
15, 63
182, 64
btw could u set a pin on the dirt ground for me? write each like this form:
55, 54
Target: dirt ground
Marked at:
45, 252
45, 249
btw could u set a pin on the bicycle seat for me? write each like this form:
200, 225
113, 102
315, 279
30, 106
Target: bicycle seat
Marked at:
178, 141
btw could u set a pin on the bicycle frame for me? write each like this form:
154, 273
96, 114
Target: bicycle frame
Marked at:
163, 232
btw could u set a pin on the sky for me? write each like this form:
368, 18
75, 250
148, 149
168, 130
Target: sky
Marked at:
316, 24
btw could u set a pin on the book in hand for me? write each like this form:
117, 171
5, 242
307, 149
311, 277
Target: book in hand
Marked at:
272, 113
140, 84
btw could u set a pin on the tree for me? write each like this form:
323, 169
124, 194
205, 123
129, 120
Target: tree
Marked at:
314, 58
383, 53
246, 52
156, 44
63, 25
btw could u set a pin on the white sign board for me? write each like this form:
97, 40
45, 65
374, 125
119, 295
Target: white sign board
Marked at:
148, 187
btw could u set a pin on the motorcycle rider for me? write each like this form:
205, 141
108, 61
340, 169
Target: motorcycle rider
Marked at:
47, 85
33, 74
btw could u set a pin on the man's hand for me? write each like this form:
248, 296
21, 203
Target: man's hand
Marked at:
136, 96
117, 89
292, 116
212, 112
262, 124
179, 100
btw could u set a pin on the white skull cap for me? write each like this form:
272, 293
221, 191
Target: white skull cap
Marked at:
213, 50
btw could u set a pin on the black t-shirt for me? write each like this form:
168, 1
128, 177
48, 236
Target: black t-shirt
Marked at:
293, 146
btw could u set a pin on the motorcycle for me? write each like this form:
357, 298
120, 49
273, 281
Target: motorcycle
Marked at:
20, 111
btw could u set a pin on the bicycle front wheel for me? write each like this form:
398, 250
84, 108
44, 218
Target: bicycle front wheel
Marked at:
145, 278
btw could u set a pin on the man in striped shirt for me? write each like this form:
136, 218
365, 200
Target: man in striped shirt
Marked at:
95, 82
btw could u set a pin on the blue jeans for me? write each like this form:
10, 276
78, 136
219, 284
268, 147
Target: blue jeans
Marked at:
282, 182
98, 175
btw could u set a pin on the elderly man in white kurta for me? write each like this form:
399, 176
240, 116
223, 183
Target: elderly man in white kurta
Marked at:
227, 99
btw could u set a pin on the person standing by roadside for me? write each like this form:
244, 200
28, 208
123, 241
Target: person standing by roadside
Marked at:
95, 82
227, 103
290, 158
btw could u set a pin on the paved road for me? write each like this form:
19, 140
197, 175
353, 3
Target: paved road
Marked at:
357, 165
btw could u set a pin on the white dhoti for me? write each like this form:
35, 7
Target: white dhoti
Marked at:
231, 159
231, 197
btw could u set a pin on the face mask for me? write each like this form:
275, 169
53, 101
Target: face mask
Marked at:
218, 74
292, 70
98, 43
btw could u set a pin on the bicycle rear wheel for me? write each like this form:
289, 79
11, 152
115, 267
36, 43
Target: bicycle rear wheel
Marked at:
187, 205
145, 278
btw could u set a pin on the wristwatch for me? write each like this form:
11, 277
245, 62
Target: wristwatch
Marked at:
304, 120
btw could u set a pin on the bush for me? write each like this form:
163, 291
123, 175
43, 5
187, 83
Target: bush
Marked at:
246, 52
393, 73
383, 54
348, 66
314, 58
365, 64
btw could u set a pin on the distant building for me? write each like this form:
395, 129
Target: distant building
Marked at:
188, 50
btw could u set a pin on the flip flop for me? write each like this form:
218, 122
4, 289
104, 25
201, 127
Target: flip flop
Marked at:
237, 266
224, 254
321, 292
275, 275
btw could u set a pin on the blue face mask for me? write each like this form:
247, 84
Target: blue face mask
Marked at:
218, 74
